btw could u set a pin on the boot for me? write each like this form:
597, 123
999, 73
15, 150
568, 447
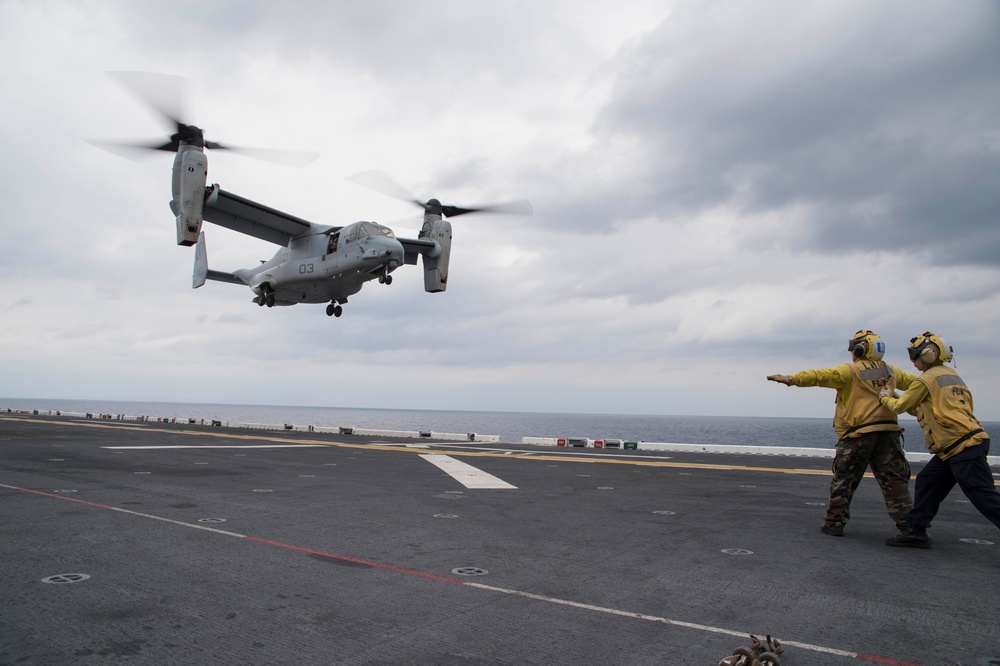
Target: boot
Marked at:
915, 537
833, 529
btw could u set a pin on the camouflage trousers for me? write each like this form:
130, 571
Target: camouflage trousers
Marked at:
883, 452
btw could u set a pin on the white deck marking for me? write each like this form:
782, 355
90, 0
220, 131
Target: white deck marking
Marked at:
466, 474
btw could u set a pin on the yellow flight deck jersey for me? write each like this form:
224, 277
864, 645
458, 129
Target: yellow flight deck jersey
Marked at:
858, 383
943, 405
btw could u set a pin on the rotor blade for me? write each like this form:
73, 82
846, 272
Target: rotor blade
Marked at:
380, 182
133, 151
163, 93
291, 158
521, 207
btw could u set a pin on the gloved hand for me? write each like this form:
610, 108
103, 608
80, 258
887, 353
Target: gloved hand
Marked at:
781, 379
886, 392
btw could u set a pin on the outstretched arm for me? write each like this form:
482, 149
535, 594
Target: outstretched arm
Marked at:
837, 377
907, 402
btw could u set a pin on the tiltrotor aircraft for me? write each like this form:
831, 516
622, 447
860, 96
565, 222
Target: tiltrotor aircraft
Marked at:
315, 263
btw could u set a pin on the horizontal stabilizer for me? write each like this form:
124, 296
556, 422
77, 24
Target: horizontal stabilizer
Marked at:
222, 276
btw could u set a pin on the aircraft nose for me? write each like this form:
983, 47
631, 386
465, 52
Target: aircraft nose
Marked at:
386, 248
396, 250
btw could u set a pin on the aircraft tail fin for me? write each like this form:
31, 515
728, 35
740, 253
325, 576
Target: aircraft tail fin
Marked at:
201, 270
200, 263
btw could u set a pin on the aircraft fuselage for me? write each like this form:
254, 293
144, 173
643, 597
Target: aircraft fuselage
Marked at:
326, 267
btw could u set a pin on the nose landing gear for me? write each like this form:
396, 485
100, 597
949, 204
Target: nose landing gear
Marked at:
385, 278
334, 310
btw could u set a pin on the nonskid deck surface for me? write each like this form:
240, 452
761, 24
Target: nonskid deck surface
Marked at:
212, 545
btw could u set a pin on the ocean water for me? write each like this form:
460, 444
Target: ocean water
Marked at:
509, 426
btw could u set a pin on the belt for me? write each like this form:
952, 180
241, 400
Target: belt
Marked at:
961, 440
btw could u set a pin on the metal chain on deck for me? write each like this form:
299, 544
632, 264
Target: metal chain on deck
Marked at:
760, 653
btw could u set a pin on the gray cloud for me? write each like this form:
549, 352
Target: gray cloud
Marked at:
881, 127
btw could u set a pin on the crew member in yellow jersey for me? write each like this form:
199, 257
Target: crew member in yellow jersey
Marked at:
943, 406
867, 433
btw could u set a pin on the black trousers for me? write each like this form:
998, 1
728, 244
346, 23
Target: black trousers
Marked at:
970, 470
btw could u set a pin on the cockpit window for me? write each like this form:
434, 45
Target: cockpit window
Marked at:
358, 230
374, 229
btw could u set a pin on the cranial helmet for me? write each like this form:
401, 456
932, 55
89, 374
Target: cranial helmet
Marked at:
930, 348
866, 344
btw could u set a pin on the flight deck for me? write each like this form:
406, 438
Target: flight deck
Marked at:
153, 543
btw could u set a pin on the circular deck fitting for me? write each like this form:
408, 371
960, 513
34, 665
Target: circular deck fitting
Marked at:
469, 571
64, 492
263, 490
605, 487
62, 579
666, 513
211, 520
445, 515
977, 542
737, 551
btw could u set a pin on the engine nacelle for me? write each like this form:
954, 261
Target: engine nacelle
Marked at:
190, 174
436, 263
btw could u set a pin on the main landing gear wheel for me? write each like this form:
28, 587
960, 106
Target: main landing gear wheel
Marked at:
266, 296
333, 310
385, 279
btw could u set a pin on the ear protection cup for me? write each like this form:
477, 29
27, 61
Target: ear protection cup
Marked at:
929, 354
866, 344
930, 348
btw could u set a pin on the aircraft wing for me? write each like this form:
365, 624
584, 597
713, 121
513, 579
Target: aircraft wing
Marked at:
251, 218
413, 247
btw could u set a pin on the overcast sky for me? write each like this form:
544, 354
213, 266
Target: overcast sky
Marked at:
722, 190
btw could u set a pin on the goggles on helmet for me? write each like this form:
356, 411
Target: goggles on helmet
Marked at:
858, 338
